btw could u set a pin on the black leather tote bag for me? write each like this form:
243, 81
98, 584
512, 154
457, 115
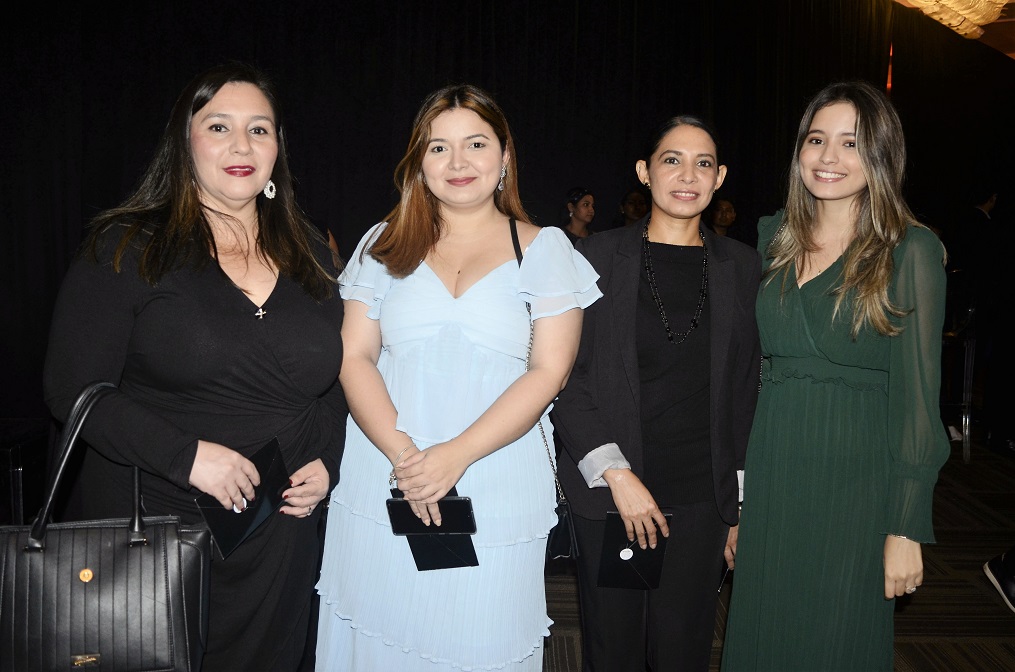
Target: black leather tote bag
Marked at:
123, 594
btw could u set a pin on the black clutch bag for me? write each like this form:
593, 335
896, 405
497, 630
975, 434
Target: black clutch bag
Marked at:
436, 547
229, 528
122, 594
623, 563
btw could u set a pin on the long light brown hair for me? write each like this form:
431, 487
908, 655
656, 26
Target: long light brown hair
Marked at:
415, 225
880, 215
165, 218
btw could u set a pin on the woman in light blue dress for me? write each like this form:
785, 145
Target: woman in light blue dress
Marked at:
436, 335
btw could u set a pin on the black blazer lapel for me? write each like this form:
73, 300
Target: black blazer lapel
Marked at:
624, 298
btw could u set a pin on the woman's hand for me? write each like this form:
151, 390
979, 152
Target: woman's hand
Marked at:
731, 546
427, 476
308, 486
224, 474
636, 506
903, 566
425, 512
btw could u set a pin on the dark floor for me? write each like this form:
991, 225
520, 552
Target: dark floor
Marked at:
955, 623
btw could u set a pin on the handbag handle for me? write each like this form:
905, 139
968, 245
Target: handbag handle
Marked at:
72, 428
528, 355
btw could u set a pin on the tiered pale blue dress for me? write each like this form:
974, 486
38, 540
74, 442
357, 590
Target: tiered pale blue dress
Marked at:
444, 362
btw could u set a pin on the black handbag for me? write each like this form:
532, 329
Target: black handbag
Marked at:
560, 541
123, 594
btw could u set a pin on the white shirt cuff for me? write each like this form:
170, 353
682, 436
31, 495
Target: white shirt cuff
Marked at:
606, 456
740, 484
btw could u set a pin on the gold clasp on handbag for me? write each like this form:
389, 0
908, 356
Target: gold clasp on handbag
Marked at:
85, 660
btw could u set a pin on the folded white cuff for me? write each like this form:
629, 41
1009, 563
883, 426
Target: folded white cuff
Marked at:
606, 456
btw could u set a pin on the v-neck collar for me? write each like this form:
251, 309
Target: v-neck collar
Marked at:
470, 287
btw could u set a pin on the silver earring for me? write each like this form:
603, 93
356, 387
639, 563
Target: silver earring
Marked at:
269, 190
503, 174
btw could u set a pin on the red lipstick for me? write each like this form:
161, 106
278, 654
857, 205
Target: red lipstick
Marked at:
240, 171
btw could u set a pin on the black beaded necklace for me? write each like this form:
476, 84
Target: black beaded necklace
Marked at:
647, 253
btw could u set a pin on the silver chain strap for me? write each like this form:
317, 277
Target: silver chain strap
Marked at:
539, 423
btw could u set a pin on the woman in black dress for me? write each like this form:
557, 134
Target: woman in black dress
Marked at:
656, 414
208, 298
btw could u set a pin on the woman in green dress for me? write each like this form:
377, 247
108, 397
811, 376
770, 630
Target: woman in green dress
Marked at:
847, 440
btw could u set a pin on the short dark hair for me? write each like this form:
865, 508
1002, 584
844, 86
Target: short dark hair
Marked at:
576, 194
673, 122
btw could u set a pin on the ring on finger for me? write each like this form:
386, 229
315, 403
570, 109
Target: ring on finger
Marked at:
910, 590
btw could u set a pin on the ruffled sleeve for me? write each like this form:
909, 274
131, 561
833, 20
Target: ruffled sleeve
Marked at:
554, 278
365, 279
917, 439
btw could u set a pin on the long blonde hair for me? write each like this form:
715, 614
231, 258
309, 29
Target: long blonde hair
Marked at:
415, 224
880, 215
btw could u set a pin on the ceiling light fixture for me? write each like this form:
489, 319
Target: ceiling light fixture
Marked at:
963, 16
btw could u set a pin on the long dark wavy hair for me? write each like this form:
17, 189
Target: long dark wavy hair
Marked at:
166, 221
415, 224
880, 214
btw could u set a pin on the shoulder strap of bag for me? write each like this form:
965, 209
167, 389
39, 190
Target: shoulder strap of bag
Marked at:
65, 444
514, 241
528, 357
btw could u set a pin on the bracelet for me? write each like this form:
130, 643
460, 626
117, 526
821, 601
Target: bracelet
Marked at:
391, 476
899, 536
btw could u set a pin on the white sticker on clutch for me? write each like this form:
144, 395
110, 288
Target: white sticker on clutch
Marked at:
626, 554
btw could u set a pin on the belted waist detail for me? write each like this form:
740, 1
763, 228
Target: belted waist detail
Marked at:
780, 369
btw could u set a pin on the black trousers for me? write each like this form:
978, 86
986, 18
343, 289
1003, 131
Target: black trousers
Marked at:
662, 630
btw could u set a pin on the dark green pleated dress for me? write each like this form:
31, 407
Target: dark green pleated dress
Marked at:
845, 448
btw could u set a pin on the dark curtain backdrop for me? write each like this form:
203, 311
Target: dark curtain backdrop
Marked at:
88, 89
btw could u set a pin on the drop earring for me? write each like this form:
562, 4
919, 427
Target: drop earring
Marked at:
269, 190
503, 174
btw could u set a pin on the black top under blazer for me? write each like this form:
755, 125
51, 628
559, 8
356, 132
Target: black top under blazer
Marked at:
601, 401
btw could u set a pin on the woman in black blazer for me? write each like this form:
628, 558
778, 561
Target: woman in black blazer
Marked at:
656, 415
